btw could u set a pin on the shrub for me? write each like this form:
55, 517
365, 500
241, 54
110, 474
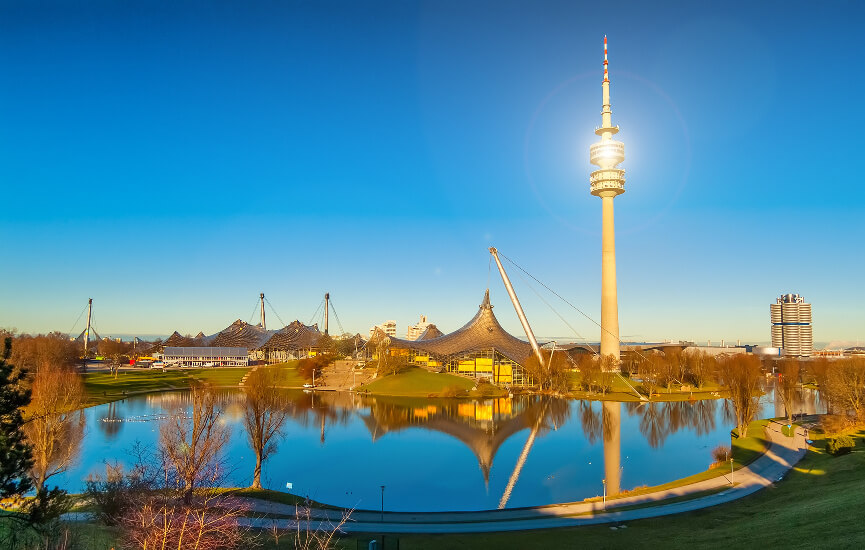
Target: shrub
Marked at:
721, 453
453, 391
840, 445
110, 495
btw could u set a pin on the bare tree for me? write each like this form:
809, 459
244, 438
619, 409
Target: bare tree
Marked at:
700, 366
741, 374
116, 352
552, 373
649, 372
311, 534
194, 444
845, 386
671, 368
53, 350
785, 386
156, 519
148, 503
264, 416
55, 425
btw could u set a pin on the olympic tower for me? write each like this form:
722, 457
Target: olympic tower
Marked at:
608, 182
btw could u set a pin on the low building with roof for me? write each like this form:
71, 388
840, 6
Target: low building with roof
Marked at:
205, 356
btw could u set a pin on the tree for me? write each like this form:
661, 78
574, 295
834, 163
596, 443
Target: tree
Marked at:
55, 423
648, 371
116, 352
15, 457
845, 386
671, 368
149, 504
552, 373
193, 445
35, 518
44, 351
264, 416
741, 374
700, 367
325, 344
785, 386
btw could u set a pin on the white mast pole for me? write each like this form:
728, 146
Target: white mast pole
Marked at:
523, 321
87, 330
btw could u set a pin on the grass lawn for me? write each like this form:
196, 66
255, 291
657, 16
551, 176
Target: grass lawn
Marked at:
289, 375
102, 387
417, 382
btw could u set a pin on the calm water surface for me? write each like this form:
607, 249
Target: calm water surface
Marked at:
444, 454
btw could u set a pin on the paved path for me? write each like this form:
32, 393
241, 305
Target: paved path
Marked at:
782, 454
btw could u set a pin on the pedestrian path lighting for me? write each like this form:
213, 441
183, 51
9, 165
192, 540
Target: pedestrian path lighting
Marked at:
382, 503
731, 470
605, 492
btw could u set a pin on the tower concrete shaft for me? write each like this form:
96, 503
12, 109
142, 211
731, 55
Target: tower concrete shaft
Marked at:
608, 182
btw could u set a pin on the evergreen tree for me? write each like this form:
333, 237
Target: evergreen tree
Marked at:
15, 456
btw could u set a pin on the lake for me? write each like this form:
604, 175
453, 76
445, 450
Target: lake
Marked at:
443, 454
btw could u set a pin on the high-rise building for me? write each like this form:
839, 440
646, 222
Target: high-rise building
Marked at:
791, 325
388, 327
608, 182
414, 331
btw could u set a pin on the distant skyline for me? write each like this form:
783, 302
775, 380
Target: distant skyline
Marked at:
171, 160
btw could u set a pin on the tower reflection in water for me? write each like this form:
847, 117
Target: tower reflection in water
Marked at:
612, 420
483, 426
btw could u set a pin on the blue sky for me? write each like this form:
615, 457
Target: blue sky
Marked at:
172, 160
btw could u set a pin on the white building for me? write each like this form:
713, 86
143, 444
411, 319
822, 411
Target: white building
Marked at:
205, 357
388, 327
791, 325
414, 331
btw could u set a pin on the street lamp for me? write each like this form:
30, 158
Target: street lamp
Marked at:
731, 471
605, 492
382, 503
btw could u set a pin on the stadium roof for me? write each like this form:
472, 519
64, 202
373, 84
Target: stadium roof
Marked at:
293, 337
482, 332
242, 334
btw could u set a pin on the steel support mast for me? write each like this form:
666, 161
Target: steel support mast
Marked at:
326, 310
87, 330
523, 321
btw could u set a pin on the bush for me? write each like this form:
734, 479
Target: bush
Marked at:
110, 495
840, 445
721, 453
453, 391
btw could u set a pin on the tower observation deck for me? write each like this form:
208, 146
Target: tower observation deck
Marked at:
608, 182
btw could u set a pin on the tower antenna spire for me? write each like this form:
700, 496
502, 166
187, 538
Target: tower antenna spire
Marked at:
606, 74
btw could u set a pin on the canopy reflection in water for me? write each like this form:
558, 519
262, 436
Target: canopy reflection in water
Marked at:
441, 454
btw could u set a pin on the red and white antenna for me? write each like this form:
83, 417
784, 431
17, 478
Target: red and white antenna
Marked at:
606, 75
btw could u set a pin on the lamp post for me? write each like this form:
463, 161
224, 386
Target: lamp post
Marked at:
731, 471
382, 503
605, 492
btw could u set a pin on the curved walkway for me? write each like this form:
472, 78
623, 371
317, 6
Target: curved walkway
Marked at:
782, 454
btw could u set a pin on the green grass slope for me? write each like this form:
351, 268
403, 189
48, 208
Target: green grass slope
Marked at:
417, 382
